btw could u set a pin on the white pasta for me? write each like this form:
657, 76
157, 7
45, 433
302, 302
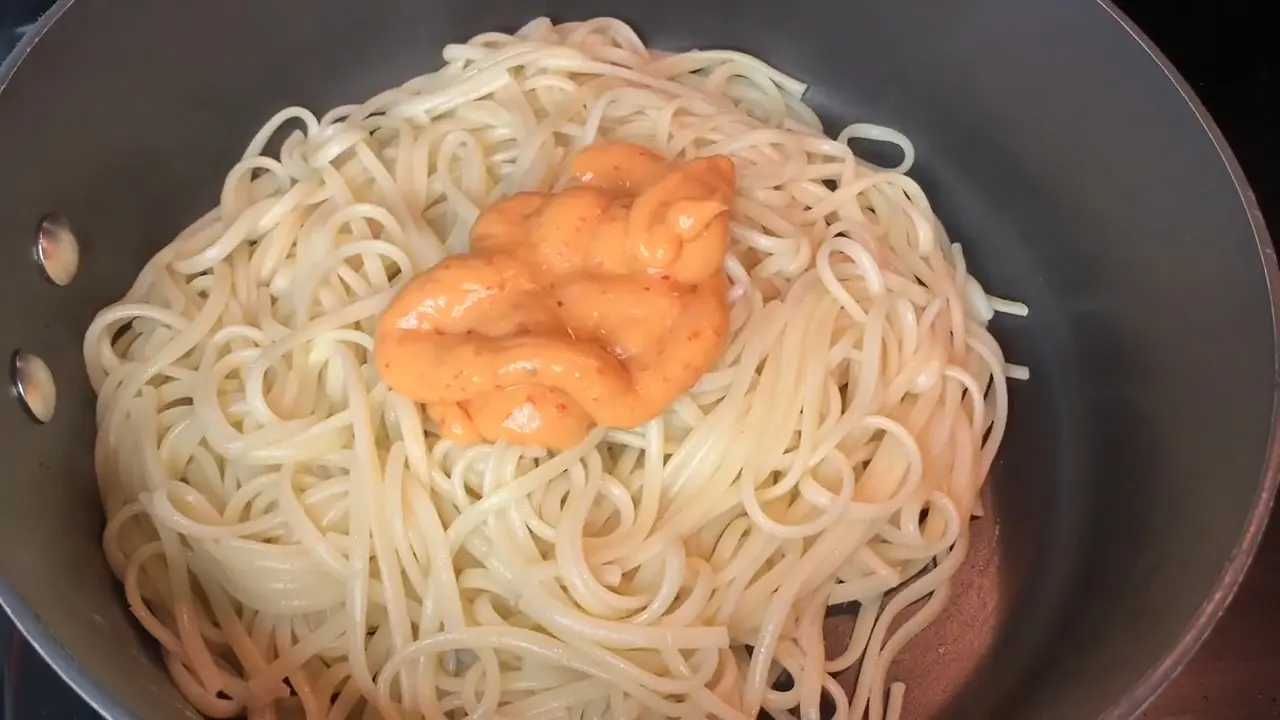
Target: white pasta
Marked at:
301, 541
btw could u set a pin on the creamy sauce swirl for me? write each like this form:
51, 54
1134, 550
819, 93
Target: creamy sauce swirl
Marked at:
596, 305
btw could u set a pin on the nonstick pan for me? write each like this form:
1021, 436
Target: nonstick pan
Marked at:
1076, 167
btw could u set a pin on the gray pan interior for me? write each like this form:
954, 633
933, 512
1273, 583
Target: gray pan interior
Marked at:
1073, 165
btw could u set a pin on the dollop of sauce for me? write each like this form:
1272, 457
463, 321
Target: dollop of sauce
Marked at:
596, 305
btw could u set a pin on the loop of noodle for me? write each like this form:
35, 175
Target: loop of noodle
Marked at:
303, 543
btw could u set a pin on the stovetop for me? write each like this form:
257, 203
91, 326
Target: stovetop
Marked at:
1220, 47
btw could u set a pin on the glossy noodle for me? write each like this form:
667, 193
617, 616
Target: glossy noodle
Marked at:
303, 542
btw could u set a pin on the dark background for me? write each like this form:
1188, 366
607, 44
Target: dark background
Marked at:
1227, 51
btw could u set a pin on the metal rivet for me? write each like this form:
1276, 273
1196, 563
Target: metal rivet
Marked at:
33, 385
57, 250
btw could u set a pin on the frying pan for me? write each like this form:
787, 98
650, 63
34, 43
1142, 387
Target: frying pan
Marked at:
1075, 166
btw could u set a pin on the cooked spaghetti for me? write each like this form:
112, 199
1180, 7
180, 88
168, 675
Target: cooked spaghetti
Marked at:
303, 542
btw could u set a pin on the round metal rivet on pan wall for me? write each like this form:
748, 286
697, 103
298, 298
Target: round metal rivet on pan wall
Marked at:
57, 250
33, 385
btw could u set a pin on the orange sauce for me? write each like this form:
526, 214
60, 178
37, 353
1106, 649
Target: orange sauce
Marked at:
597, 305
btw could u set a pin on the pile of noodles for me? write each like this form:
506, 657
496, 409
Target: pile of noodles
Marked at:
302, 543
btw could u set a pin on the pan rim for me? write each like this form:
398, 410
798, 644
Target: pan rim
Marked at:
1228, 582
25, 619
1137, 697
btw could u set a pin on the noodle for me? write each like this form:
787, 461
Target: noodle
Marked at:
301, 541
